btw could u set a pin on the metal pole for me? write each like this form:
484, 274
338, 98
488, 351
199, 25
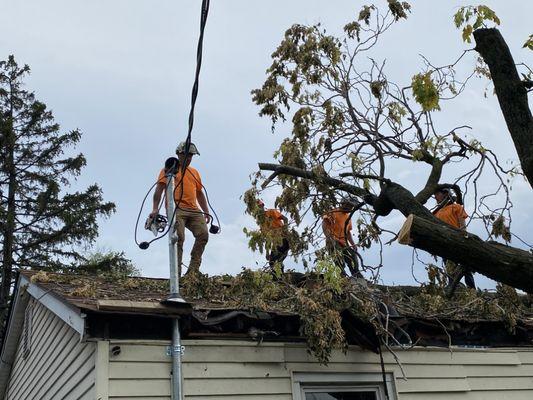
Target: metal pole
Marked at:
172, 247
176, 349
177, 390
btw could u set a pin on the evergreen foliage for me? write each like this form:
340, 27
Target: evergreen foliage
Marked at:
43, 225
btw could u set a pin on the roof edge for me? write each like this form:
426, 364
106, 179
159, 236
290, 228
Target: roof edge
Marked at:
12, 333
70, 314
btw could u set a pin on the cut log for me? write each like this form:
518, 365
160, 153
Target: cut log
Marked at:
502, 263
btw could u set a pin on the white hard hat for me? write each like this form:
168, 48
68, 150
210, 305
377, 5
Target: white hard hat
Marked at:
192, 149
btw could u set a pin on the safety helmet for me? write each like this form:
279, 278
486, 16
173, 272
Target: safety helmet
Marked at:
192, 149
445, 191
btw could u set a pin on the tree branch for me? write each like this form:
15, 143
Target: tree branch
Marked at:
335, 183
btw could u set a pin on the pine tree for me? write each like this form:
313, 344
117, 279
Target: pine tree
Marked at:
43, 226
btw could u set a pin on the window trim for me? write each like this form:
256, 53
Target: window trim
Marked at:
302, 381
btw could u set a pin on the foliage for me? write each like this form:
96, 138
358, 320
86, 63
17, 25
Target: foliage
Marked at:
318, 301
529, 43
500, 229
43, 224
349, 122
472, 18
111, 263
425, 92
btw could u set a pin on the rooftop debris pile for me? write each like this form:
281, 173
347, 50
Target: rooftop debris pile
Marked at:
319, 299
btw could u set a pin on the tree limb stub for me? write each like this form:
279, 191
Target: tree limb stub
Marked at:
511, 93
502, 263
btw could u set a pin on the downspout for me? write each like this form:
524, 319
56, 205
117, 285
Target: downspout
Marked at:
176, 349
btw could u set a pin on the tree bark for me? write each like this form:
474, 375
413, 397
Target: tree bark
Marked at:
511, 93
502, 263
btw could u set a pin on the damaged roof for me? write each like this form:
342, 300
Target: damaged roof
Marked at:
131, 308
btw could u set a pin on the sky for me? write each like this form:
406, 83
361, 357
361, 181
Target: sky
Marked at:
122, 71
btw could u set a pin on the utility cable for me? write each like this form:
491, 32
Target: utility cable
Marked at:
194, 96
183, 166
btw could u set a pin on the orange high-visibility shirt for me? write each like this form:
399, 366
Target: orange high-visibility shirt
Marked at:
191, 184
334, 224
452, 214
273, 219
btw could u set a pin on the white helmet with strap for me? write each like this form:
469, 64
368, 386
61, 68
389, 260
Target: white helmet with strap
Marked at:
192, 149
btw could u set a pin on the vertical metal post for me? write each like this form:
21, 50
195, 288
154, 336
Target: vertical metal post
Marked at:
177, 390
172, 239
174, 295
176, 350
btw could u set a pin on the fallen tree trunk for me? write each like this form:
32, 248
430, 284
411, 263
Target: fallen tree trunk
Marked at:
502, 263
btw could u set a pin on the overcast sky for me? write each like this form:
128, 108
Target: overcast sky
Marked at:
122, 71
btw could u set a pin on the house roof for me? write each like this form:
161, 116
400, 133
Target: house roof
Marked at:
117, 307
224, 307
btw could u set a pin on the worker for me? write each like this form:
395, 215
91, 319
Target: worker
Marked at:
337, 228
453, 214
274, 227
188, 196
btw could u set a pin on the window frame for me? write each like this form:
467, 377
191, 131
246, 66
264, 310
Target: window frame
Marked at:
303, 382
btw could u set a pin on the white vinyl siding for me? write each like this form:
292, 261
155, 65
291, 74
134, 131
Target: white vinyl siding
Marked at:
57, 366
224, 370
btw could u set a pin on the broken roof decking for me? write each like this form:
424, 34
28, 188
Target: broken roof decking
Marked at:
115, 309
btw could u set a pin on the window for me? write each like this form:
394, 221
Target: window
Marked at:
347, 393
342, 386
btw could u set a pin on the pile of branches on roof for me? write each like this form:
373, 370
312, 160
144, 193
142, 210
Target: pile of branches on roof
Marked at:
321, 298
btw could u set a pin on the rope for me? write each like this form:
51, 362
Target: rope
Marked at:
194, 95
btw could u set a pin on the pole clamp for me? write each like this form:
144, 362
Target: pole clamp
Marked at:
177, 349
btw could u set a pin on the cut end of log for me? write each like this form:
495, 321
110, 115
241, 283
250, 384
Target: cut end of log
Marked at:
404, 236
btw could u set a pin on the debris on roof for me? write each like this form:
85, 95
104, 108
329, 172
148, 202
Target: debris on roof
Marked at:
328, 313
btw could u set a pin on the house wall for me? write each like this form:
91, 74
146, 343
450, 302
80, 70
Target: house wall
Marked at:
56, 366
223, 370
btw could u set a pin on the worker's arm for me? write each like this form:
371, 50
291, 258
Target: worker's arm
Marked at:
200, 196
159, 189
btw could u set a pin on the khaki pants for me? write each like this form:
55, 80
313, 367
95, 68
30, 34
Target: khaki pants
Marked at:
194, 222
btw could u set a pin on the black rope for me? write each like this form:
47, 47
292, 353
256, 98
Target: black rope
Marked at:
194, 95
383, 372
183, 167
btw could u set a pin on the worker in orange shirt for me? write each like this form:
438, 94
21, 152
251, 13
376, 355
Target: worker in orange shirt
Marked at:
188, 195
337, 228
275, 226
453, 214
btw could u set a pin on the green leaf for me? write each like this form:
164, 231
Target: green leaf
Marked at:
467, 33
529, 43
425, 92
